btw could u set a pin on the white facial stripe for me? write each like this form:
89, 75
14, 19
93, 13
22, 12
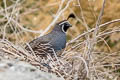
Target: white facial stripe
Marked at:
63, 28
64, 22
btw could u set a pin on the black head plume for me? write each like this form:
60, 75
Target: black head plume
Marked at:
71, 16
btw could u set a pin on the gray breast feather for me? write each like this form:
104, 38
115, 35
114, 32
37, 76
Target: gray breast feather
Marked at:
47, 43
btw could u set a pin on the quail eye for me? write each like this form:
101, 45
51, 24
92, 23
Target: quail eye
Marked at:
67, 25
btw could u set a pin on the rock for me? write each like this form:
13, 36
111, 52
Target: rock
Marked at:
19, 70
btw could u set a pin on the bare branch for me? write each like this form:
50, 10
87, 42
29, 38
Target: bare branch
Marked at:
56, 18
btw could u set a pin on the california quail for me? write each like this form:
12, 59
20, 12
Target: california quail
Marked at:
53, 41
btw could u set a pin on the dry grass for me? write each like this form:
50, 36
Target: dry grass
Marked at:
93, 54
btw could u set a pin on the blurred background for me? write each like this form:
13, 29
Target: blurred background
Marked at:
23, 20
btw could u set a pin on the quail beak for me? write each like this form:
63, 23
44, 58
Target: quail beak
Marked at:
70, 25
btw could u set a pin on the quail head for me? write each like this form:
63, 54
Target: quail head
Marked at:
53, 41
